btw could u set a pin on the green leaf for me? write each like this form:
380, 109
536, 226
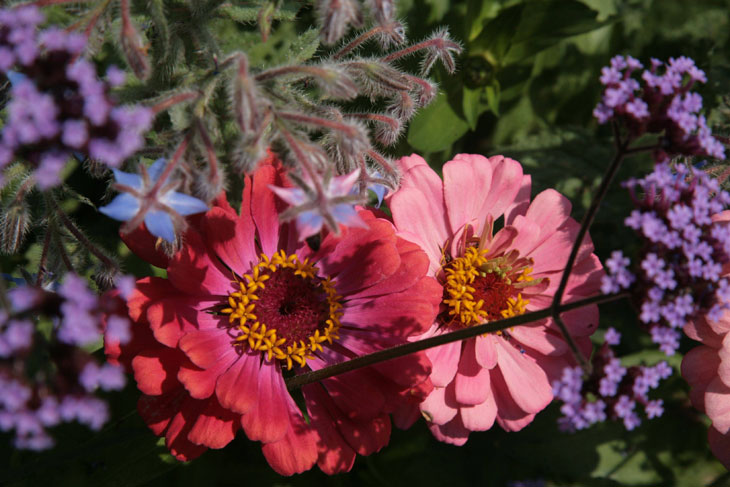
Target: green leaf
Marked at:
497, 34
436, 127
285, 46
304, 46
523, 30
439, 8
478, 100
472, 103
248, 14
493, 93
547, 22
179, 116
477, 12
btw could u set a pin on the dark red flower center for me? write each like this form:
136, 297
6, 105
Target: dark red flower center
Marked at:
477, 291
292, 305
285, 309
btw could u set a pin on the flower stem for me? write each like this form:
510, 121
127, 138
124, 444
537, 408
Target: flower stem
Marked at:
622, 150
176, 158
44, 257
357, 41
78, 234
412, 347
582, 231
174, 100
213, 174
317, 121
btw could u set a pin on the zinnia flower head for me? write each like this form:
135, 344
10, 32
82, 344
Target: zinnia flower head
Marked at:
246, 302
489, 274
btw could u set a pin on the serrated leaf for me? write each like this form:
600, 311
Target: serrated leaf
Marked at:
436, 127
304, 46
285, 46
249, 14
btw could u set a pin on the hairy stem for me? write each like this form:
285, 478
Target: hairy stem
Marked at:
350, 46
44, 256
79, 235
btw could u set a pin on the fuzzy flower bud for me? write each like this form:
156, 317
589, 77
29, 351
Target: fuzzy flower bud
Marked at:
14, 225
335, 16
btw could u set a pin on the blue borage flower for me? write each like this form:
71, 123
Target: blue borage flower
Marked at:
315, 210
158, 205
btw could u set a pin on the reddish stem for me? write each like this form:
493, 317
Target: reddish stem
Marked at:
318, 121
174, 100
357, 41
213, 175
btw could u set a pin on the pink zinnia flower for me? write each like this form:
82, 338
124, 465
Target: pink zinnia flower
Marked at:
245, 301
707, 370
488, 276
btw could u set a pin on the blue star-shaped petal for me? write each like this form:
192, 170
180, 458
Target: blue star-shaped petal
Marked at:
165, 203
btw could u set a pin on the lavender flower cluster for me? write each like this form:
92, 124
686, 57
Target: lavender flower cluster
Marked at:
58, 106
685, 248
612, 390
62, 390
661, 103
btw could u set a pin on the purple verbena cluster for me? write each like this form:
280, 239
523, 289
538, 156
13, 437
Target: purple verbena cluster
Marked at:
612, 390
61, 389
660, 103
58, 105
686, 242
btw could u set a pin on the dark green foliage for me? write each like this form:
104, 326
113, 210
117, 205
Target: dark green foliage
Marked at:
526, 86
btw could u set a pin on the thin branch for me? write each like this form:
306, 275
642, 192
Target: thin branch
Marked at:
584, 226
62, 252
454, 336
174, 100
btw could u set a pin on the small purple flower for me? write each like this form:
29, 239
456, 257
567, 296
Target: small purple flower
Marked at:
662, 103
46, 125
115, 76
654, 409
612, 337
624, 407
107, 377
126, 284
118, 329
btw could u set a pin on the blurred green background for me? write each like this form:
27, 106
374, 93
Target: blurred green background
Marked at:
526, 86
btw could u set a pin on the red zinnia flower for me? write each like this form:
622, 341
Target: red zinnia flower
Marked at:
244, 302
